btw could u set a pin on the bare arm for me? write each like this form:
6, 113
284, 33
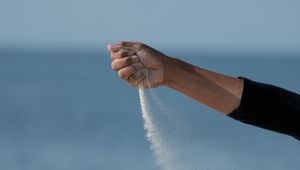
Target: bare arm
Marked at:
218, 91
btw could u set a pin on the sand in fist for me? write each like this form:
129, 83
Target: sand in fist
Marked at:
139, 64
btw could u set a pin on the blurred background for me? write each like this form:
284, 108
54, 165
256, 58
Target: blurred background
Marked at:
63, 108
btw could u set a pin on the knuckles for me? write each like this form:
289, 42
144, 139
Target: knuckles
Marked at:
123, 43
127, 60
136, 45
139, 46
122, 53
126, 72
120, 63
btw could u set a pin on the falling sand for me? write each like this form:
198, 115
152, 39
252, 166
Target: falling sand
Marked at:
154, 126
152, 133
176, 144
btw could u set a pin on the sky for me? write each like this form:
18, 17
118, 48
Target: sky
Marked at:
237, 24
56, 105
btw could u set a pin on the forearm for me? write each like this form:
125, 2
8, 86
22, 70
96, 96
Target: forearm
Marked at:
215, 90
232, 84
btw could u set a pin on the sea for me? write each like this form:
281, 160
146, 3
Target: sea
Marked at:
65, 109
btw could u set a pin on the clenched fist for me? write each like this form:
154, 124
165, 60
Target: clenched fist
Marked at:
139, 64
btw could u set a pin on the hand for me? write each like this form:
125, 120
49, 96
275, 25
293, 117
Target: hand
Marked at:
139, 64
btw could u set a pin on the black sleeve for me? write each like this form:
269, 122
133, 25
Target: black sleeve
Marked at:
269, 107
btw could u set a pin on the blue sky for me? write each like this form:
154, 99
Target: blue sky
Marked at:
238, 24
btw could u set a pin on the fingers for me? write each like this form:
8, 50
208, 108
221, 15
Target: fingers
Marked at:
132, 75
126, 72
135, 46
126, 62
118, 64
122, 53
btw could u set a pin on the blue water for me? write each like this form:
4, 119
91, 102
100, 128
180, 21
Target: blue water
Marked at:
64, 109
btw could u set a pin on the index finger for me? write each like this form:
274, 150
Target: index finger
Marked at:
136, 46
